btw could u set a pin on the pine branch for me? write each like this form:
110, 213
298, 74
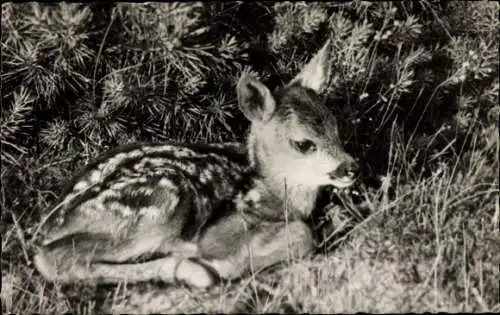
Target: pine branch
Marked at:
13, 122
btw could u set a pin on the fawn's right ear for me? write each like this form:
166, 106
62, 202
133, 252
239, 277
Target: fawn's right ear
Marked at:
316, 72
255, 100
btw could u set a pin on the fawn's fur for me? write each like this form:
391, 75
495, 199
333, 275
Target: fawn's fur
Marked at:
205, 211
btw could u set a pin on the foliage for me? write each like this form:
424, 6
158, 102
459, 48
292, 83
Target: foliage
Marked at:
414, 85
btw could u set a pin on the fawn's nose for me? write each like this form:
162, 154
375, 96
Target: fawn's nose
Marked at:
347, 169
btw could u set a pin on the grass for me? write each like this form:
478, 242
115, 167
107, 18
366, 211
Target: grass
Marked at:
433, 247
430, 241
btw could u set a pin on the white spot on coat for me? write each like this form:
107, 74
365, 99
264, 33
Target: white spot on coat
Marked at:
80, 186
95, 176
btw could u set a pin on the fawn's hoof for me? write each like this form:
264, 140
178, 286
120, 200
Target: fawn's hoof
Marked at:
195, 274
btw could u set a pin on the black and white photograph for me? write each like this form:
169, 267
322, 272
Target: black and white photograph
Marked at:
291, 157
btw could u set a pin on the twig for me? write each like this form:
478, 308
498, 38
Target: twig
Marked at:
113, 15
21, 238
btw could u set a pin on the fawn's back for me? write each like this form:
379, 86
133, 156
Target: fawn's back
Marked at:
112, 193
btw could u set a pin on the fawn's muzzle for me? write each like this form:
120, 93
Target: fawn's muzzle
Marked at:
348, 170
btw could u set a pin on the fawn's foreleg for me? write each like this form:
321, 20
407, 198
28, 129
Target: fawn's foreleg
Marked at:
264, 245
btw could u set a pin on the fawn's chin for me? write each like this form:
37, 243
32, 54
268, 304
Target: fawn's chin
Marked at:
337, 183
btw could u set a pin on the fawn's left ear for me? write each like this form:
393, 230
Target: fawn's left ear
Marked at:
255, 100
316, 73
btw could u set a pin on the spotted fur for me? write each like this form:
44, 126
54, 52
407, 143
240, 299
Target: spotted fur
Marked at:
206, 210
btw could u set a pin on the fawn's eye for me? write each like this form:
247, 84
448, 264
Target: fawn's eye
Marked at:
303, 146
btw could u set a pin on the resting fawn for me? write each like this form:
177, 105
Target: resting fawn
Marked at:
196, 213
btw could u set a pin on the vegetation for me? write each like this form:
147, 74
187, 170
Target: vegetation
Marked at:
415, 87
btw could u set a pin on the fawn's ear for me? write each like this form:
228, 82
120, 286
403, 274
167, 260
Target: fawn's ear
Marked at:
316, 73
255, 100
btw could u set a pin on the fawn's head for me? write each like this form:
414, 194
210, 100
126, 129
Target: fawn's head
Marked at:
293, 135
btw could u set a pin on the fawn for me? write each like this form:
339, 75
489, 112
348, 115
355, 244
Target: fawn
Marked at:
197, 213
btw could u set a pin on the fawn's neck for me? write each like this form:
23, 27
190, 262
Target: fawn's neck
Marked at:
280, 197
292, 200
